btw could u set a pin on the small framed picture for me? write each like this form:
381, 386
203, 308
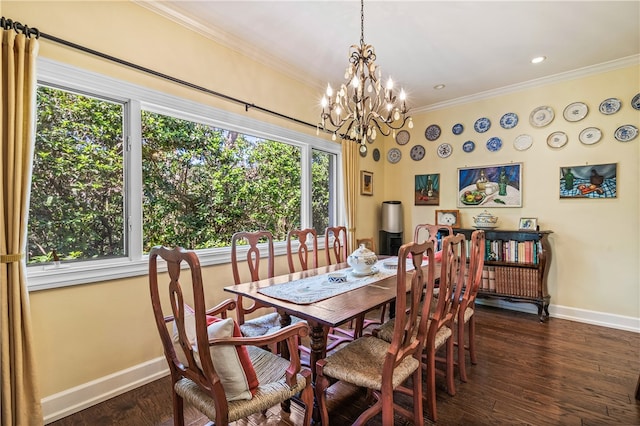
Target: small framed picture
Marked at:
366, 182
448, 217
528, 224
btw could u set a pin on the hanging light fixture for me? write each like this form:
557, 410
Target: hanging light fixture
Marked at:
362, 107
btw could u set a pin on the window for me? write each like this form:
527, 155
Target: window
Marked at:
119, 168
76, 210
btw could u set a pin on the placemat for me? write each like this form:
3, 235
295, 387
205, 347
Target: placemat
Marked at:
313, 289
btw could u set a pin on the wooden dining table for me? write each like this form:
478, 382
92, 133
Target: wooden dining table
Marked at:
323, 314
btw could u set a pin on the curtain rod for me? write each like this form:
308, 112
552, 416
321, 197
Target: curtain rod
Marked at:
18, 27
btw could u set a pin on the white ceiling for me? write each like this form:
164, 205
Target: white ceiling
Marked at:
472, 47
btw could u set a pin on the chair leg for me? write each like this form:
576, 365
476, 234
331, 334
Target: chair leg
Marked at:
451, 384
430, 384
307, 399
472, 344
322, 383
418, 417
178, 408
461, 352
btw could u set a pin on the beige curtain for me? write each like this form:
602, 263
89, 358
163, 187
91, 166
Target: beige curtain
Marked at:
20, 396
350, 161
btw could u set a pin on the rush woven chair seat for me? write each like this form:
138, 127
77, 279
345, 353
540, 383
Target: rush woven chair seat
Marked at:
225, 376
384, 367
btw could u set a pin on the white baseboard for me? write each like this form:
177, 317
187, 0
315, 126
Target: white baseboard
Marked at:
602, 319
67, 402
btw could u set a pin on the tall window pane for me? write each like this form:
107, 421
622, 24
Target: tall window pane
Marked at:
202, 184
322, 191
77, 185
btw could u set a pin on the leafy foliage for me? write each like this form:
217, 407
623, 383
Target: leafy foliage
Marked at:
200, 184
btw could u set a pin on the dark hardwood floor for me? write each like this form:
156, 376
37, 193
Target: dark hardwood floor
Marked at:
528, 373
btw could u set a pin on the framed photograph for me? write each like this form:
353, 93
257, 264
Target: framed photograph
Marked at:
448, 217
528, 224
366, 182
427, 190
597, 181
490, 186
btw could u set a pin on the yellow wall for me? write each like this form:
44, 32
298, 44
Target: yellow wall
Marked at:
89, 331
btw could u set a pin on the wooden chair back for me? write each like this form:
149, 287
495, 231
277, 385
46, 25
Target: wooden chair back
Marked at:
184, 365
303, 244
252, 260
410, 321
368, 243
335, 240
474, 271
431, 232
452, 268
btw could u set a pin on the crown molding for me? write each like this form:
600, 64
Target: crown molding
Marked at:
556, 78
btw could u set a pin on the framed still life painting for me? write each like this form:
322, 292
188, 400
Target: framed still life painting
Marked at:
597, 181
490, 186
427, 190
366, 182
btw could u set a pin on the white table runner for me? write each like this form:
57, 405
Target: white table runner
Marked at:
313, 289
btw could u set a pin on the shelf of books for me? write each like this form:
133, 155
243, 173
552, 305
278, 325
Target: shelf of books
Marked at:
516, 267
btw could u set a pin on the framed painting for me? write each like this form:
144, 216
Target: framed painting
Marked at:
490, 186
427, 190
528, 224
366, 182
596, 181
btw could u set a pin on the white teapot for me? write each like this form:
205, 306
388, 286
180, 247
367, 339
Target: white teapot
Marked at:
362, 260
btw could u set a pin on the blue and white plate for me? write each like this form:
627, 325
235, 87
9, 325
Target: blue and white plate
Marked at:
626, 133
610, 106
394, 155
635, 102
468, 146
482, 125
444, 150
494, 144
457, 129
432, 133
509, 120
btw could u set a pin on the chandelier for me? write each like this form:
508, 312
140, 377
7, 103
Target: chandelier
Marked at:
362, 107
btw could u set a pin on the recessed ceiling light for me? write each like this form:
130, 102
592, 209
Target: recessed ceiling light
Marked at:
538, 59
438, 86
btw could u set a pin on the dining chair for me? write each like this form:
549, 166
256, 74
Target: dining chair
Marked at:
213, 368
431, 231
441, 314
303, 245
466, 309
383, 367
371, 245
266, 323
335, 240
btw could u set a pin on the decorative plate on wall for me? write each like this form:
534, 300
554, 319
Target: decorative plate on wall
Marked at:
575, 111
376, 154
363, 151
402, 137
626, 133
417, 152
557, 139
468, 146
494, 144
590, 135
541, 116
444, 150
509, 120
394, 155
610, 106
457, 129
635, 102
432, 133
523, 142
482, 125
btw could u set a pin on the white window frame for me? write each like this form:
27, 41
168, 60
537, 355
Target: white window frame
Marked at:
136, 98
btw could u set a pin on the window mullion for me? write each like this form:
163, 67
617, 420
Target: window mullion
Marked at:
133, 179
